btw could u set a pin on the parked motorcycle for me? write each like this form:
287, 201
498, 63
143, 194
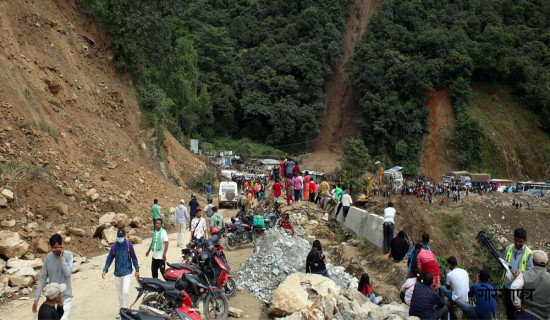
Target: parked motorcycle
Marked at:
239, 233
273, 219
164, 298
181, 313
215, 269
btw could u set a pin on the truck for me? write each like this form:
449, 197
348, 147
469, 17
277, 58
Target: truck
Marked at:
394, 178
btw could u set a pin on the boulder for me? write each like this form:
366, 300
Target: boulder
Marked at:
41, 245
8, 223
69, 192
24, 272
104, 243
31, 227
3, 202
395, 308
109, 235
120, 220
67, 240
18, 281
62, 208
19, 263
11, 244
136, 222
2, 265
299, 291
8, 194
76, 231
98, 231
134, 239
91, 192
107, 218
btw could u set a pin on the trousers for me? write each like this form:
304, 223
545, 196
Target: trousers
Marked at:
123, 289
157, 264
180, 229
388, 235
66, 308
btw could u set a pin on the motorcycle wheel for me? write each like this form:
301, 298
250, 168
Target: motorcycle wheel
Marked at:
230, 288
216, 306
232, 243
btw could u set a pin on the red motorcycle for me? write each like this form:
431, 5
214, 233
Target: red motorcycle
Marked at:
216, 269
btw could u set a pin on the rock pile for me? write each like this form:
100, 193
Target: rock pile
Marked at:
277, 256
312, 297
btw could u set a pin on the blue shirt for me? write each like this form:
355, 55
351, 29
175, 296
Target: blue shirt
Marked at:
123, 263
208, 189
486, 305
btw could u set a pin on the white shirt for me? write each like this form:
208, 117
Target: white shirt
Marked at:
181, 215
389, 214
157, 254
458, 278
346, 200
198, 226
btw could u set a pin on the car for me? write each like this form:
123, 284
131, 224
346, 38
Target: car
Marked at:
228, 193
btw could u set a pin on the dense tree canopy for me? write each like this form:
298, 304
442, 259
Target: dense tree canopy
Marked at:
208, 68
416, 46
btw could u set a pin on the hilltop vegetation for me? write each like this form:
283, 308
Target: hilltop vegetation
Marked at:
413, 47
245, 68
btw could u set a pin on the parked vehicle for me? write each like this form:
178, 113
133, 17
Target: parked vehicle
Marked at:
228, 194
241, 231
273, 218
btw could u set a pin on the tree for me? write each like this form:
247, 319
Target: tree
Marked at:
354, 164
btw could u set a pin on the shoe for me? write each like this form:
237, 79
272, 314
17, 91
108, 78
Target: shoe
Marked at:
378, 299
118, 316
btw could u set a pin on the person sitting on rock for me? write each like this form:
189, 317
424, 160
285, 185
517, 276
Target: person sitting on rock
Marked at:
425, 298
286, 225
399, 247
426, 262
316, 261
365, 289
407, 288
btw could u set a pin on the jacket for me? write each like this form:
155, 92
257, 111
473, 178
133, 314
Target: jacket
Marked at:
399, 248
424, 301
315, 262
123, 262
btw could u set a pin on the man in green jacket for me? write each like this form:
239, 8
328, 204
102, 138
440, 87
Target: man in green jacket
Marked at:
155, 212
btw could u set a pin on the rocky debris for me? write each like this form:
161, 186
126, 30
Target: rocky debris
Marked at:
120, 220
107, 218
41, 245
69, 192
8, 223
11, 245
62, 208
2, 265
235, 313
277, 256
19, 263
3, 202
109, 235
8, 194
311, 297
75, 231
134, 239
136, 222
18, 281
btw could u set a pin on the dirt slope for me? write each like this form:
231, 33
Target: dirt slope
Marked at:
437, 153
70, 123
342, 101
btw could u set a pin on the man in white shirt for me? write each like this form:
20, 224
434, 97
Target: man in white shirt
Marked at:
198, 227
181, 219
346, 203
458, 280
159, 245
389, 226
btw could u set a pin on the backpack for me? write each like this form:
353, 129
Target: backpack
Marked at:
127, 243
209, 211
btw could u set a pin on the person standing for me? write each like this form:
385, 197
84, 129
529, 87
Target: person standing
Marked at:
324, 188
124, 255
389, 226
297, 187
155, 212
198, 227
181, 220
306, 180
282, 168
486, 304
193, 206
277, 190
535, 303
57, 268
289, 186
316, 261
217, 219
346, 203
248, 201
289, 165
209, 191
458, 280
52, 308
296, 169
159, 246
257, 188
520, 258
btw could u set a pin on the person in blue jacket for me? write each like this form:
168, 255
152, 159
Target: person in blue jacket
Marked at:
124, 255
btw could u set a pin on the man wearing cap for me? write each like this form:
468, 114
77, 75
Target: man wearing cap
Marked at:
159, 245
124, 255
57, 268
535, 283
181, 219
52, 308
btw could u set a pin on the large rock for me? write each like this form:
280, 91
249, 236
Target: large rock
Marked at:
107, 218
98, 231
2, 265
299, 291
8, 223
18, 281
11, 244
109, 235
8, 194
91, 192
76, 231
136, 222
24, 272
3, 202
62, 208
41, 245
19, 263
134, 239
120, 220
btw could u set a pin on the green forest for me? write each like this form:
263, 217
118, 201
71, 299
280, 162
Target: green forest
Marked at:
229, 68
415, 46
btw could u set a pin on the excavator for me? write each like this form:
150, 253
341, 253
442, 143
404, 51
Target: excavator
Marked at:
375, 180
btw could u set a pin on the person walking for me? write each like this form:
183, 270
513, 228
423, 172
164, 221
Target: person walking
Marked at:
181, 220
535, 283
198, 227
52, 308
324, 188
209, 191
193, 206
520, 258
159, 246
289, 165
289, 186
316, 261
389, 226
57, 268
346, 203
155, 212
124, 255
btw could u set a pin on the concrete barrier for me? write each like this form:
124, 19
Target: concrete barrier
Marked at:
364, 224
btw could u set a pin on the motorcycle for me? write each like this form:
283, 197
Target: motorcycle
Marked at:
273, 219
239, 232
216, 269
166, 298
182, 313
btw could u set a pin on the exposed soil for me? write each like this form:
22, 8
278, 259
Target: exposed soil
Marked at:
437, 152
341, 100
323, 160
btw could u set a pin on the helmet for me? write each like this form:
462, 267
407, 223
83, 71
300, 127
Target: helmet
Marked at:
233, 219
203, 258
193, 196
209, 246
214, 230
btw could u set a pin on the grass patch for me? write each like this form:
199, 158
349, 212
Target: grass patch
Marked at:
453, 225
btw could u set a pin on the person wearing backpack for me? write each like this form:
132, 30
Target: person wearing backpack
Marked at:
124, 255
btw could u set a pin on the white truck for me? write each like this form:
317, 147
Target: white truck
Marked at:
394, 178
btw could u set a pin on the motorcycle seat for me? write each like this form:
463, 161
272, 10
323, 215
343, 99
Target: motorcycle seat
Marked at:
159, 283
179, 266
137, 315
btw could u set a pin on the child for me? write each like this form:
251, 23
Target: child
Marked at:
286, 225
364, 288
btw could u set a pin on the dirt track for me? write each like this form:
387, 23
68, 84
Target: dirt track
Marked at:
95, 298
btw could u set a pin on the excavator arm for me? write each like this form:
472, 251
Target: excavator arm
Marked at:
486, 240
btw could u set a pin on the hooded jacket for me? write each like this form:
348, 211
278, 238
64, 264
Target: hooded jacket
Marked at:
316, 261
